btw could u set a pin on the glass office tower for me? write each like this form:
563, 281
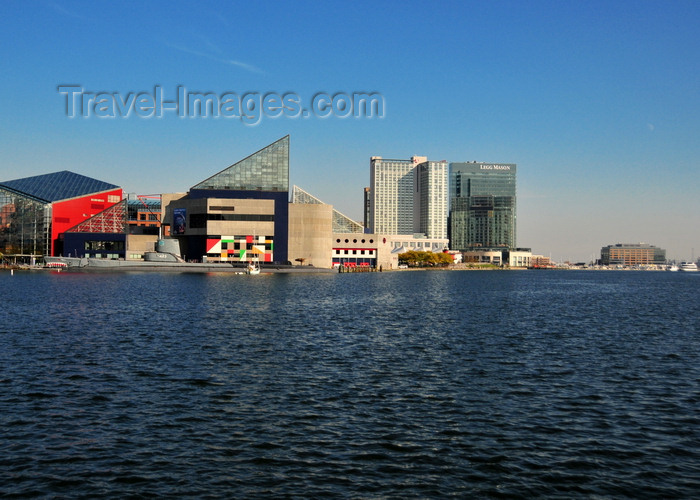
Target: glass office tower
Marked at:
482, 205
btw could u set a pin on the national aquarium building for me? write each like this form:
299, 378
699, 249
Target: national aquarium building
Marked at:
37, 212
237, 214
482, 205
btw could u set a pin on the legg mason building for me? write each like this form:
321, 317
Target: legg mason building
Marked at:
482, 206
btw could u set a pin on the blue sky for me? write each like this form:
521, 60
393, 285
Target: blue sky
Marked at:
596, 102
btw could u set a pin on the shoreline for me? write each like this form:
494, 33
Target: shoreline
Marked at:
209, 268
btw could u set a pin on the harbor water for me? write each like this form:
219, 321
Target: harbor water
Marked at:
519, 384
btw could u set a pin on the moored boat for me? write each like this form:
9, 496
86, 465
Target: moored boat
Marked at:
253, 267
689, 267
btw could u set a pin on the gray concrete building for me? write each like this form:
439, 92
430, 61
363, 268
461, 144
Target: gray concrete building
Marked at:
310, 234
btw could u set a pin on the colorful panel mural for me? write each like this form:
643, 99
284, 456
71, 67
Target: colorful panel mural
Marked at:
213, 245
243, 248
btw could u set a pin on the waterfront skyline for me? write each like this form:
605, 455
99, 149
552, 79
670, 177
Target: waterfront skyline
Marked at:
597, 103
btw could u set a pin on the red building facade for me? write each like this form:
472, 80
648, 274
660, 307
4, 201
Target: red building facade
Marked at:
69, 213
37, 210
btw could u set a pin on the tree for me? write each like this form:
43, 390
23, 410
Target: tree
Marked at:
416, 258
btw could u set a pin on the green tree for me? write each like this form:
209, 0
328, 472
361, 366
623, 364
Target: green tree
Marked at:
416, 258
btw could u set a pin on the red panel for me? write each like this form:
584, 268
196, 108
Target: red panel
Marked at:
211, 242
69, 213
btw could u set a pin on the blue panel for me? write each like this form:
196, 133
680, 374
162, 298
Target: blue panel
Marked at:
74, 244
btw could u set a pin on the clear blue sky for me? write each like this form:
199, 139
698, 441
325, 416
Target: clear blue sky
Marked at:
597, 102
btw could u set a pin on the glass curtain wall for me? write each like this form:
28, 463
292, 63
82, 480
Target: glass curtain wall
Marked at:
25, 225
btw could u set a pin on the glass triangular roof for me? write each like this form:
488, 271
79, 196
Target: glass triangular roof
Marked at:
341, 223
266, 170
57, 186
110, 220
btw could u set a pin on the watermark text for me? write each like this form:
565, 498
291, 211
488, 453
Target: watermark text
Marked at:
248, 107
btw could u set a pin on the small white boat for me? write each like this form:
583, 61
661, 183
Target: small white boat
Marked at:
673, 268
689, 267
253, 267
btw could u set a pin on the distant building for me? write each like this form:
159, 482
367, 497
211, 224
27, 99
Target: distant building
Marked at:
358, 250
144, 212
366, 204
376, 250
483, 256
482, 205
541, 262
392, 184
632, 254
515, 257
430, 206
518, 257
408, 196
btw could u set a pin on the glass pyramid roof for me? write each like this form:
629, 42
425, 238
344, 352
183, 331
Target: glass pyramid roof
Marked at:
57, 186
266, 170
341, 223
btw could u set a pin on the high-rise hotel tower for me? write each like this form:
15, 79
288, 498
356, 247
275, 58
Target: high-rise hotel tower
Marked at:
408, 196
482, 205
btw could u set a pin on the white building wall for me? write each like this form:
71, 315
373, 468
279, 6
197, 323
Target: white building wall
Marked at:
519, 259
408, 196
392, 184
432, 199
383, 249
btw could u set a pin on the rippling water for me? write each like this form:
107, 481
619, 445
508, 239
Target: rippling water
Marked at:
414, 384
